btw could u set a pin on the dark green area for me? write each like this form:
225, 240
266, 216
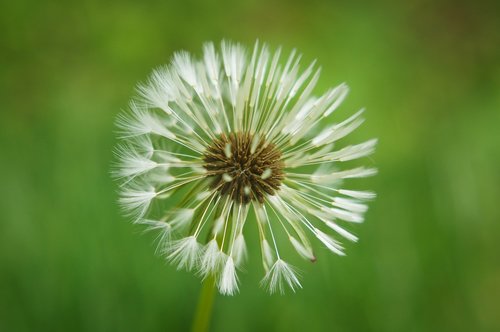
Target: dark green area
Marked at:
429, 255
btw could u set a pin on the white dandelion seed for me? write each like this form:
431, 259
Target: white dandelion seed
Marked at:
211, 259
131, 163
228, 283
281, 273
136, 201
239, 250
184, 253
303, 250
210, 139
163, 230
181, 218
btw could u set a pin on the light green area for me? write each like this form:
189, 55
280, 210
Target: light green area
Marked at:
429, 255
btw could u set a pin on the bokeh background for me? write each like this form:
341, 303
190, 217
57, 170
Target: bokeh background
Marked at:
429, 255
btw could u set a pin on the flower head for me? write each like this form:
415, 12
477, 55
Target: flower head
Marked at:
237, 136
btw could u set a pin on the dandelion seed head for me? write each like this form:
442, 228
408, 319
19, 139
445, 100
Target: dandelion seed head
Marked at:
239, 136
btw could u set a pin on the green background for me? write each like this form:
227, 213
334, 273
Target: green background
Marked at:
428, 73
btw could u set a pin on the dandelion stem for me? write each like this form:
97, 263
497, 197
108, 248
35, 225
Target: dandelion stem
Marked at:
201, 321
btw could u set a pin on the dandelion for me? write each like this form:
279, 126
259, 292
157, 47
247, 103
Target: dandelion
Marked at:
238, 136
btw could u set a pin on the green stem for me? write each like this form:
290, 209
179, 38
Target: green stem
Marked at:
201, 322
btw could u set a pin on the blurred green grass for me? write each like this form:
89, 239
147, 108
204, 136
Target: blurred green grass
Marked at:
429, 75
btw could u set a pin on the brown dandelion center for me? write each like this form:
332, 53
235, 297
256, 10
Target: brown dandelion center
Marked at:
244, 167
